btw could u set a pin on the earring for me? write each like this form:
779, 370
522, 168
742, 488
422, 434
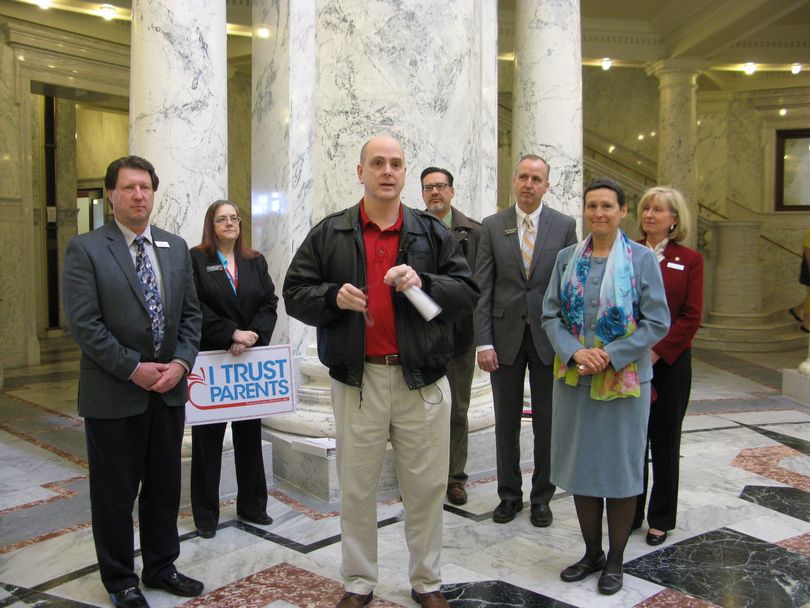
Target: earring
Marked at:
671, 228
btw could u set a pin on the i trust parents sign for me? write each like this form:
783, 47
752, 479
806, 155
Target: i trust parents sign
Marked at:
256, 384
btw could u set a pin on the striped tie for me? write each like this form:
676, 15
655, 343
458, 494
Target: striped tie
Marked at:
527, 243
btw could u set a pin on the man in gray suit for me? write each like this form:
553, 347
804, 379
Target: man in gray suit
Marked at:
130, 300
438, 192
515, 259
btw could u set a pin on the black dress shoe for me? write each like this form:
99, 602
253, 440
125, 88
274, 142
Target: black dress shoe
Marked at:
655, 539
178, 584
577, 572
609, 583
506, 511
263, 519
541, 516
206, 533
129, 598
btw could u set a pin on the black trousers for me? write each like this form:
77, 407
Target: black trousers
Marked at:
672, 384
507, 392
206, 467
124, 454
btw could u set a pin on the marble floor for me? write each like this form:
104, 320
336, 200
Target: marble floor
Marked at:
743, 534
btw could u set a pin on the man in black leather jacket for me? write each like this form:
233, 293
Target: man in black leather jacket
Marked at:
388, 364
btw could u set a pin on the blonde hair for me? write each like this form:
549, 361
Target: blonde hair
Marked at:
677, 205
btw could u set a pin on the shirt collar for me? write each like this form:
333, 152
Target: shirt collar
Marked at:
129, 235
535, 216
365, 221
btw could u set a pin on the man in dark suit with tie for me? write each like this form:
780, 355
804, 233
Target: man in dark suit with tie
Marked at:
130, 300
515, 259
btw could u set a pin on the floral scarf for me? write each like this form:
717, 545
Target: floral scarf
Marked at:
617, 315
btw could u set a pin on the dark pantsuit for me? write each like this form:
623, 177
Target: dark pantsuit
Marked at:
459, 374
672, 383
507, 391
124, 454
206, 466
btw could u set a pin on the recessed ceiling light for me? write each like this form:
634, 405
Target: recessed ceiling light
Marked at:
107, 12
611, 149
749, 68
263, 32
44, 3
606, 63
796, 68
782, 112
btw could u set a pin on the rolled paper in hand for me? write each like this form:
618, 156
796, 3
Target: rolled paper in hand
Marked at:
426, 305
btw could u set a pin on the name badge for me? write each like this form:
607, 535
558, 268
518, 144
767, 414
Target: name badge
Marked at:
674, 265
509, 231
163, 244
214, 268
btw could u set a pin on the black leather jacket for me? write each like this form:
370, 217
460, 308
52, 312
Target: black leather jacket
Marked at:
333, 253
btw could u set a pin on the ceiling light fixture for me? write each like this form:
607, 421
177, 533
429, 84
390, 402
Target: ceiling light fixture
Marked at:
44, 4
263, 32
749, 68
107, 12
782, 112
796, 68
607, 62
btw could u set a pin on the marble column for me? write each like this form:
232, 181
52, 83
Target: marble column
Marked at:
178, 107
547, 90
736, 294
329, 75
66, 210
677, 130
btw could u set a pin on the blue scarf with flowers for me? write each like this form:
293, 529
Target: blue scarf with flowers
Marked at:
616, 316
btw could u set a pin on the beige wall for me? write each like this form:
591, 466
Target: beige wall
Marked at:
101, 138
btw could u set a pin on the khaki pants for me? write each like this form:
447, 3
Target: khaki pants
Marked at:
418, 426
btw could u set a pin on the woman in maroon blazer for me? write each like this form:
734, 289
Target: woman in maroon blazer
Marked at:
663, 218
238, 302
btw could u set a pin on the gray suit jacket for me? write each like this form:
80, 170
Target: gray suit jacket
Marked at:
108, 318
508, 299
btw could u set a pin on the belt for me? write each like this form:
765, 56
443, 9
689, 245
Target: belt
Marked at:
383, 360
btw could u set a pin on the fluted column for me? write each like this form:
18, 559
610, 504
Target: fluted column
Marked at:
547, 90
677, 129
178, 106
328, 75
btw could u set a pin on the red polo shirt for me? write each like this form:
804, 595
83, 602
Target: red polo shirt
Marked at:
381, 255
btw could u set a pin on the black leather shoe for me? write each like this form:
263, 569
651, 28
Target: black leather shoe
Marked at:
206, 533
609, 583
655, 539
131, 597
506, 511
178, 584
262, 519
541, 516
577, 572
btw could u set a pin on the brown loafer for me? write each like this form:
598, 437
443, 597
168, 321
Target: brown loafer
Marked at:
456, 493
354, 600
431, 599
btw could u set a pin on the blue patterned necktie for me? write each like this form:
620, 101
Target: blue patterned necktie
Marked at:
143, 266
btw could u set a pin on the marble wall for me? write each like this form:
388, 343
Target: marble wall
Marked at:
102, 136
621, 104
332, 74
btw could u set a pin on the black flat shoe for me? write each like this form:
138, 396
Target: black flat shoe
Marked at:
609, 583
577, 572
178, 584
655, 539
506, 511
132, 597
263, 519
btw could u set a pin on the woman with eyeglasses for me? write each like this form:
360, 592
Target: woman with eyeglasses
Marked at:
604, 309
238, 302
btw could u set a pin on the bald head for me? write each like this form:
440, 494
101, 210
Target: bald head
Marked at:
382, 169
380, 139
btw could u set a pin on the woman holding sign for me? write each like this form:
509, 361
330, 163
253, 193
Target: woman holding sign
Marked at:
238, 302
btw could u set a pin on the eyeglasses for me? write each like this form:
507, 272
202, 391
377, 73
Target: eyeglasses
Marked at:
438, 187
233, 219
